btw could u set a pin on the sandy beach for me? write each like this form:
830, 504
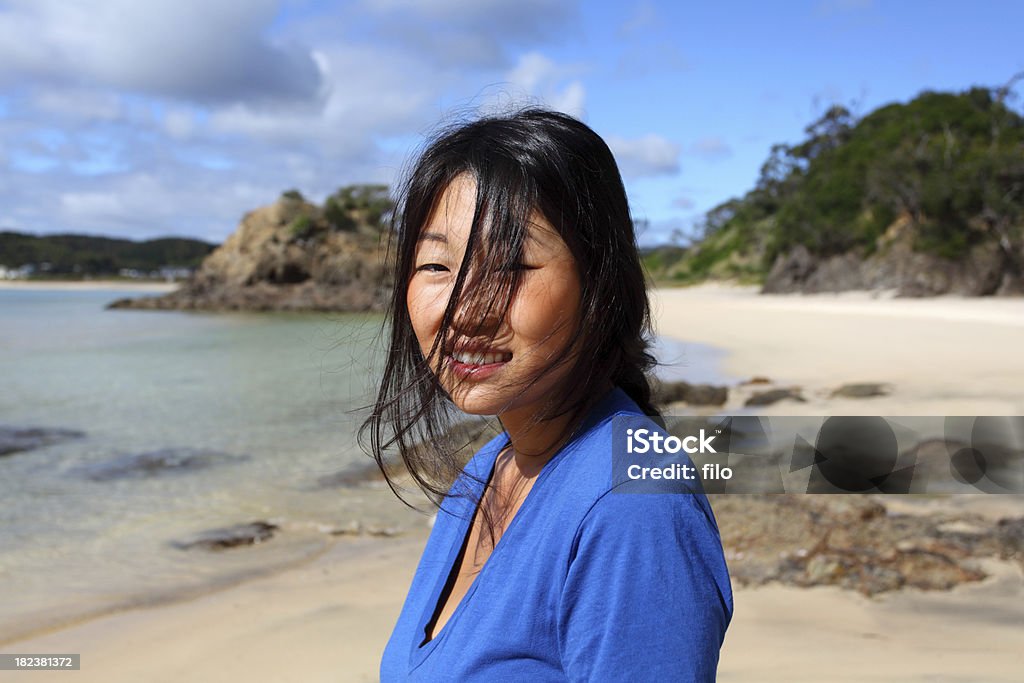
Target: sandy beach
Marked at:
90, 285
329, 619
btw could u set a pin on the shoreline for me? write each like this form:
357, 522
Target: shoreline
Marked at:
333, 612
88, 285
942, 355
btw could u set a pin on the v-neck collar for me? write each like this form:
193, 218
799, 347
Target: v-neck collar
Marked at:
465, 513
615, 400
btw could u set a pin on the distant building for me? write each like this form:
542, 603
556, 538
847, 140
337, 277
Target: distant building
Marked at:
16, 273
169, 273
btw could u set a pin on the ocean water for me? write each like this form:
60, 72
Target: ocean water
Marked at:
269, 401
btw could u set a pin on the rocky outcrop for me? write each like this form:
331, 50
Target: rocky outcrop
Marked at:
664, 393
18, 439
286, 256
985, 269
853, 543
235, 536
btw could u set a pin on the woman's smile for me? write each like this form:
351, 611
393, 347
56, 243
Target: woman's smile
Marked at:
477, 367
498, 361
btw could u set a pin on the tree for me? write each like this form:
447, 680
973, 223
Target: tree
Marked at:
354, 204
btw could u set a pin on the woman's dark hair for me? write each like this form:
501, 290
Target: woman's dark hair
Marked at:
528, 162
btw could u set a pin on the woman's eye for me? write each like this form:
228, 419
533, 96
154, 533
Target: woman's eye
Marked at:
432, 268
517, 266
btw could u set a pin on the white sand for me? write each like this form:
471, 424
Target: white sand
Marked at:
782, 634
329, 620
89, 285
943, 356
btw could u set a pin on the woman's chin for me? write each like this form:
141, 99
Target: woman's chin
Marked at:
472, 402
477, 407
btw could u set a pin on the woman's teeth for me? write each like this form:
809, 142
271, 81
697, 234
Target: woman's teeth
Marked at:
481, 358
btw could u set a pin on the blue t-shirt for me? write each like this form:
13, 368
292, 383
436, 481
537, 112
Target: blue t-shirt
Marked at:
583, 585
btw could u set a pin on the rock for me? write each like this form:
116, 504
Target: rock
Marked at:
19, 439
790, 272
355, 475
353, 528
465, 438
155, 463
862, 390
663, 393
269, 264
984, 269
229, 537
1011, 537
1012, 284
767, 398
849, 541
756, 380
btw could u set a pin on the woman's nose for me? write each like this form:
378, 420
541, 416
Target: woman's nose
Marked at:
479, 306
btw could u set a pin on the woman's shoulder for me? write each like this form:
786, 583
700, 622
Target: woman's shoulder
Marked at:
595, 458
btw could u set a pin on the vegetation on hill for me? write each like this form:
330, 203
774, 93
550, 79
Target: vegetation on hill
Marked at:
950, 165
360, 208
86, 255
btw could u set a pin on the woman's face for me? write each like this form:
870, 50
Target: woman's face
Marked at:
542, 319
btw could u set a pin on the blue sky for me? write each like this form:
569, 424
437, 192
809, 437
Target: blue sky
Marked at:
175, 117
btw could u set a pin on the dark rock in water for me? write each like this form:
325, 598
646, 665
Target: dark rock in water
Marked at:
758, 379
766, 398
862, 390
156, 463
18, 439
229, 537
356, 528
465, 438
663, 393
359, 474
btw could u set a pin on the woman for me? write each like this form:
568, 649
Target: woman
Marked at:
519, 293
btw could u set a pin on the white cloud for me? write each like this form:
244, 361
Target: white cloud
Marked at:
537, 79
649, 155
179, 123
711, 149
643, 17
90, 206
570, 99
77, 103
203, 50
176, 117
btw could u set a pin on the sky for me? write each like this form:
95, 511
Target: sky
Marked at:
176, 117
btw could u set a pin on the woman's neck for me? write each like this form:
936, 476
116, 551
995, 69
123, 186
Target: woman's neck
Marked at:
534, 444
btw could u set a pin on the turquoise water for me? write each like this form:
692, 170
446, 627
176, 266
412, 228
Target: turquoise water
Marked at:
276, 397
271, 394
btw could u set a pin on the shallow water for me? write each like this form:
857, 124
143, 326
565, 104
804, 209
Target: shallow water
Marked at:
270, 401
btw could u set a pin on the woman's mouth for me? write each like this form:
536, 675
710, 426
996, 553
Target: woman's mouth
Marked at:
477, 365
